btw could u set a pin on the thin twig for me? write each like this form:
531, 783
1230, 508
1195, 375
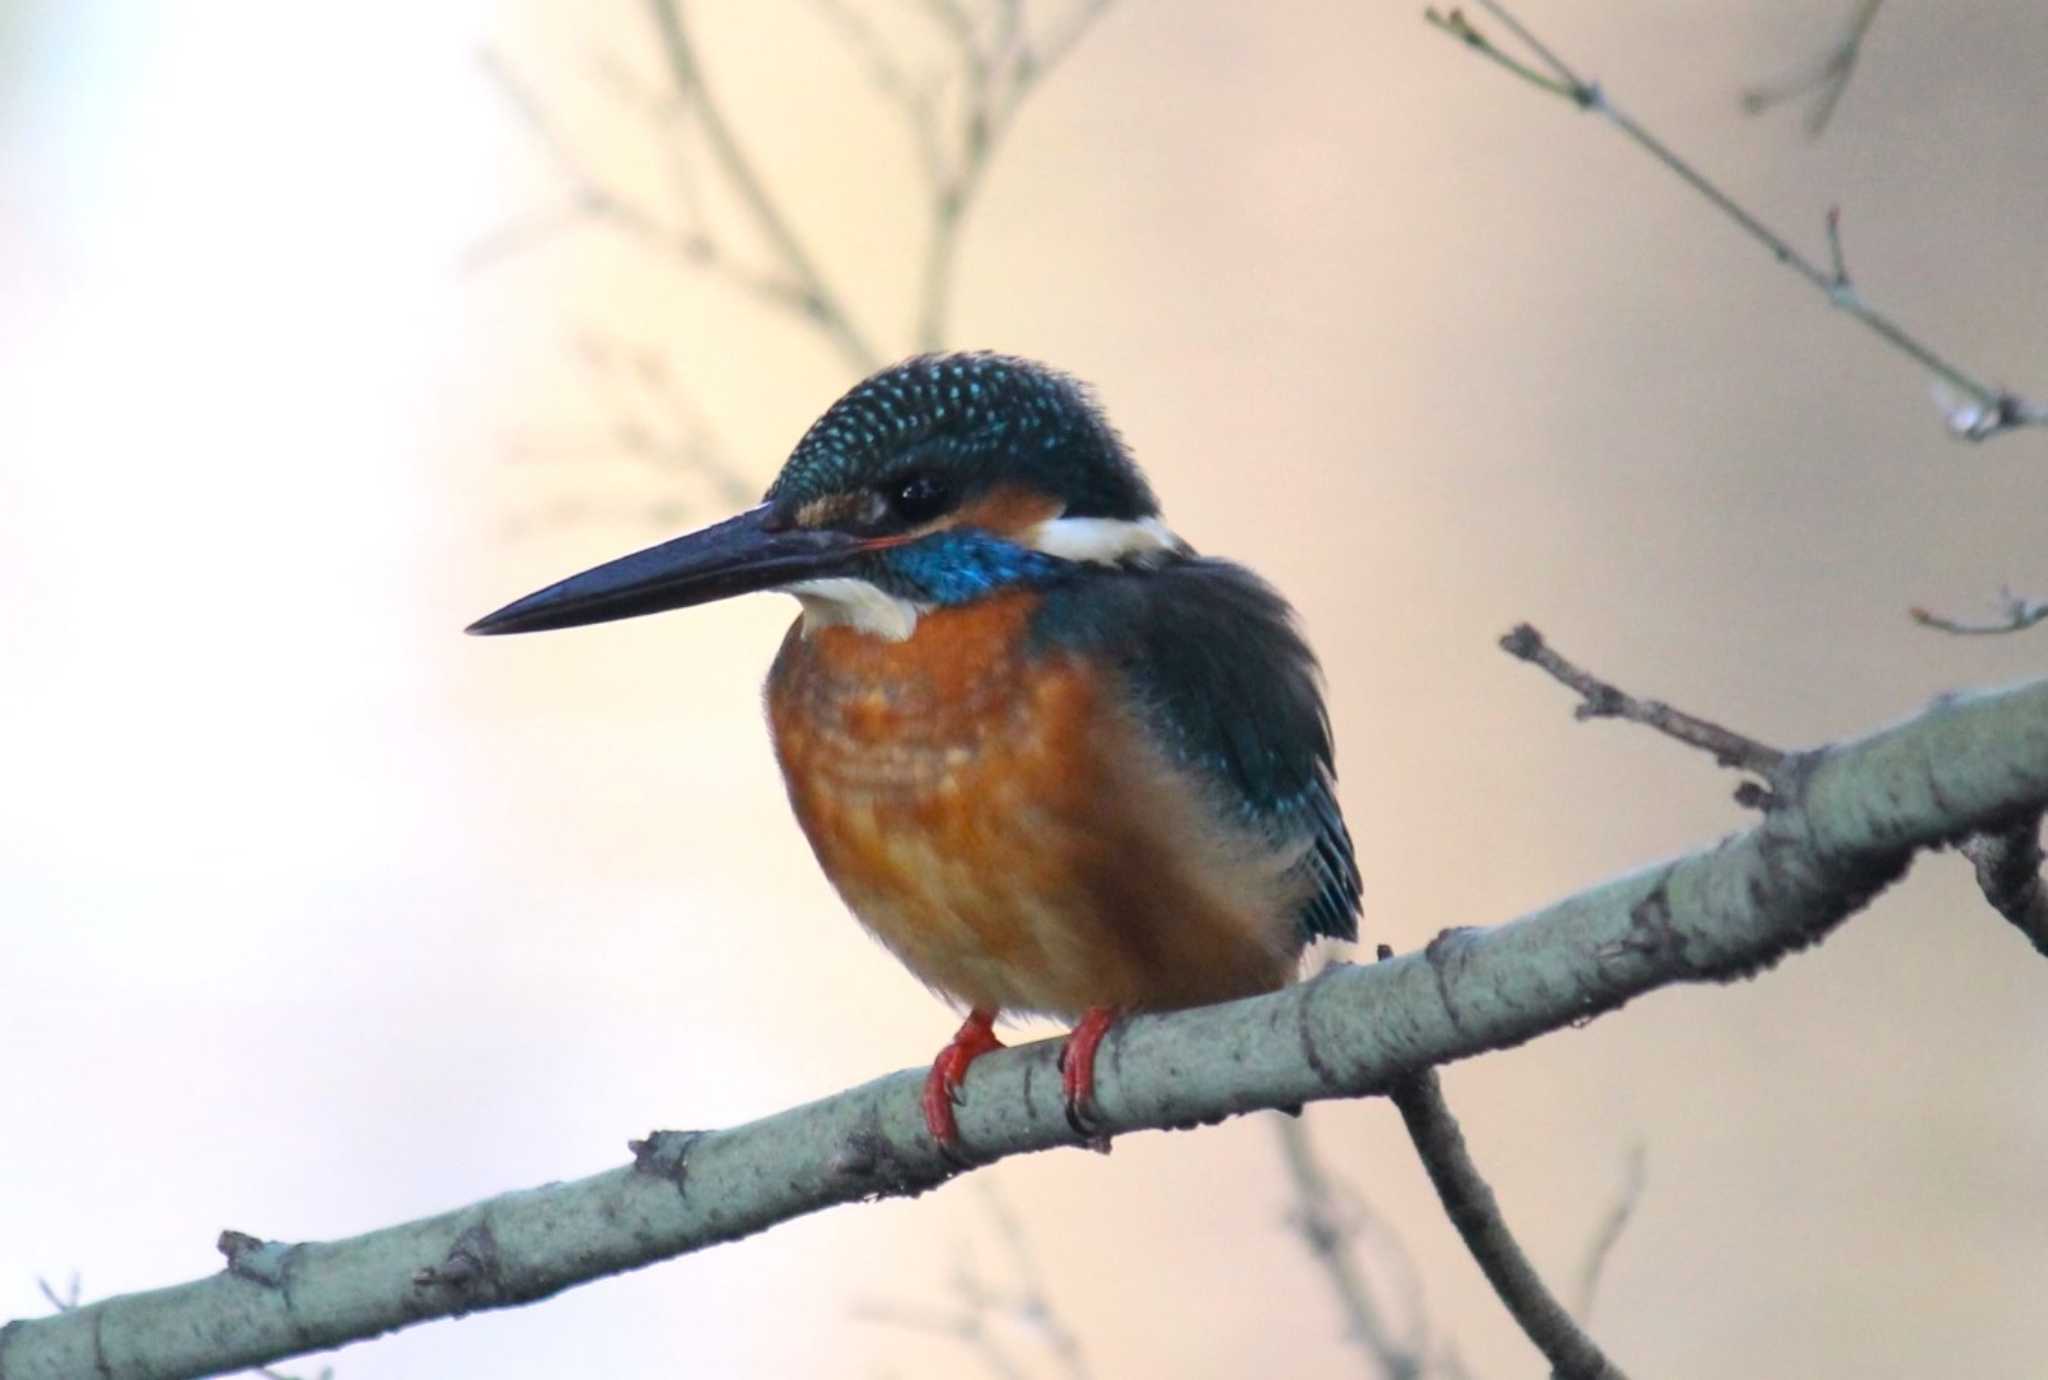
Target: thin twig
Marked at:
820, 303
1979, 410
913, 98
2009, 870
996, 81
1472, 1208
1033, 1305
1328, 1236
1633, 1177
635, 377
967, 1326
972, 1320
2019, 614
1602, 700
885, 73
1828, 75
590, 200
64, 1302
1558, 66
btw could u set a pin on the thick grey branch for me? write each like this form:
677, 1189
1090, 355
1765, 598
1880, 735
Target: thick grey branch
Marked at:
1469, 1202
1848, 823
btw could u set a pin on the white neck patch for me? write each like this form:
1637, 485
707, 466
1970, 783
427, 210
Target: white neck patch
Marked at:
842, 600
1102, 541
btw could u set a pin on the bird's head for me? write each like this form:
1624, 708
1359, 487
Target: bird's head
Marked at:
934, 482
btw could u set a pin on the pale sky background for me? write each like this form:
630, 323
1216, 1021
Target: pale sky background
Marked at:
318, 916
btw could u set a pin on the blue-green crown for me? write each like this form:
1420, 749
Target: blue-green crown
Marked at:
974, 421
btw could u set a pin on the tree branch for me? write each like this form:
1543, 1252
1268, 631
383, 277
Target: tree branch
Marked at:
1475, 1212
1847, 822
1828, 76
2008, 864
1318, 1217
979, 1306
820, 303
997, 79
1601, 700
1634, 1174
1978, 410
2018, 613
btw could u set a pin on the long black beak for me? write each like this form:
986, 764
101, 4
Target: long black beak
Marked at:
737, 556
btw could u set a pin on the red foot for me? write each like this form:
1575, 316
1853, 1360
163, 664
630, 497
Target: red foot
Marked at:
975, 1038
1077, 1065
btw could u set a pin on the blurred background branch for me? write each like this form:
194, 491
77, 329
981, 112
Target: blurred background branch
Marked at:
1824, 78
1973, 409
2016, 613
957, 114
982, 1313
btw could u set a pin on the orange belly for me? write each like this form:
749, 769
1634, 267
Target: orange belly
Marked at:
1010, 832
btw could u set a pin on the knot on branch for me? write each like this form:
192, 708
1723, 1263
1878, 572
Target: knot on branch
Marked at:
254, 1259
667, 1155
470, 1269
876, 1167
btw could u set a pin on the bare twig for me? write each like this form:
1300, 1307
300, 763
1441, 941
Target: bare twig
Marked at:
885, 73
636, 379
65, 1301
1826, 76
2019, 614
971, 1321
996, 76
1033, 1305
1601, 700
1978, 410
1472, 1208
818, 300
591, 201
2008, 867
1318, 1216
1633, 1177
967, 1325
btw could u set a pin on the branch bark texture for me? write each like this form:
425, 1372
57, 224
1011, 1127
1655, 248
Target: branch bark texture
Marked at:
1847, 824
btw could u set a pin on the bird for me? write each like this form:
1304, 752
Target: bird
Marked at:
1058, 762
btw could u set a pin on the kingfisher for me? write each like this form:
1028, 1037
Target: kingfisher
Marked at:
1059, 763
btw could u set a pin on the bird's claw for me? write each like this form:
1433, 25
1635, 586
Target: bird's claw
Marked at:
1077, 1074
948, 1078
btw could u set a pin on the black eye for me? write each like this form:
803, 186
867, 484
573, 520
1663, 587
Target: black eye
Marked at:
919, 498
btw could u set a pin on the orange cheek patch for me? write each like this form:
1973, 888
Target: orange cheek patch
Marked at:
1008, 510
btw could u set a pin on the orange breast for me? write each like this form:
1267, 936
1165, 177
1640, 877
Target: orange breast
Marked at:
1007, 829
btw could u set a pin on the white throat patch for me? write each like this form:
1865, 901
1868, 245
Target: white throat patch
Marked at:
843, 600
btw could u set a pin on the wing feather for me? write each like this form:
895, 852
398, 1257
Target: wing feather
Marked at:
1222, 677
